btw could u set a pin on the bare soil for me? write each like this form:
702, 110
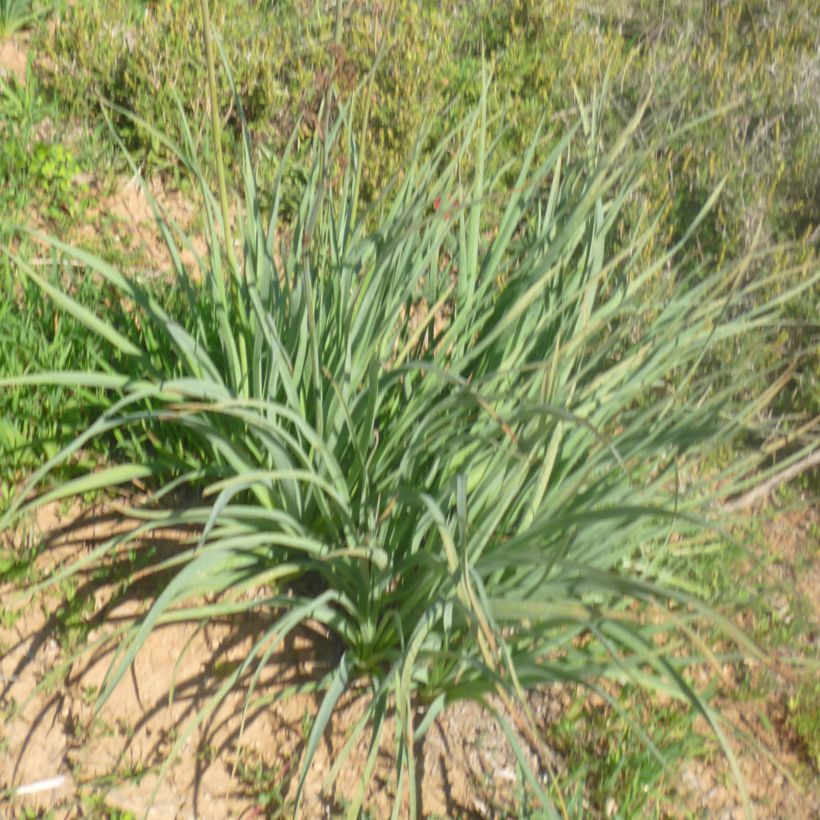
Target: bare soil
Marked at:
13, 56
129, 220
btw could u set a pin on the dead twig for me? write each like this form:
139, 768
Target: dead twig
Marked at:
750, 498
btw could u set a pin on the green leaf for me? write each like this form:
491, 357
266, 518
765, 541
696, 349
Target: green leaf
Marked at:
337, 684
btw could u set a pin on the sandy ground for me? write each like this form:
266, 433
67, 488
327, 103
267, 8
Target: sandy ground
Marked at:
13, 56
131, 225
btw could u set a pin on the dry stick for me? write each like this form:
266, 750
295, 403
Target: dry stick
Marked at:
751, 497
216, 129
40, 786
773, 445
42, 262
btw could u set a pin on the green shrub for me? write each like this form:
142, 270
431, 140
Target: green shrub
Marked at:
441, 418
540, 54
413, 58
126, 53
282, 58
757, 59
758, 56
452, 408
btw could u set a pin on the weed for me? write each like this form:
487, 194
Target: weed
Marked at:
53, 171
30, 813
23, 104
20, 565
35, 336
88, 695
804, 718
94, 806
265, 783
608, 752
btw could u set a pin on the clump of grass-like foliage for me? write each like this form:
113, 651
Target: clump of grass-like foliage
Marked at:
446, 409
18, 14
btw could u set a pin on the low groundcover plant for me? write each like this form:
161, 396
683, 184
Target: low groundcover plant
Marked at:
454, 426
